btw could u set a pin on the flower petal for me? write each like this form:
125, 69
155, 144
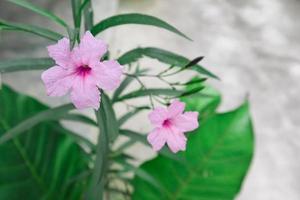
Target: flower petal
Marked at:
176, 140
157, 139
186, 122
158, 116
108, 74
89, 49
61, 53
176, 108
57, 80
85, 94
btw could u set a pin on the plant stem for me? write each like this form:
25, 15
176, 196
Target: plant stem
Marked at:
100, 168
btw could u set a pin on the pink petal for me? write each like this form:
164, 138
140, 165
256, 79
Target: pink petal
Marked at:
157, 139
85, 94
108, 74
60, 52
176, 108
57, 80
176, 140
89, 49
158, 116
186, 122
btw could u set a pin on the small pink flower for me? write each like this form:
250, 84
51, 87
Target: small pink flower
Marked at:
81, 72
170, 124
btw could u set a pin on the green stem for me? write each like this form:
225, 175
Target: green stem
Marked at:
100, 167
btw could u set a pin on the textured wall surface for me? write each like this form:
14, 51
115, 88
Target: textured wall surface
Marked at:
253, 45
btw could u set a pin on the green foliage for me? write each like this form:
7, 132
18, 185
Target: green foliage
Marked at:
43, 32
43, 163
25, 64
215, 163
31, 121
110, 116
40, 11
159, 91
134, 18
164, 57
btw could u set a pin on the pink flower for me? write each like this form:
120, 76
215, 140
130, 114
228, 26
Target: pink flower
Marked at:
170, 124
81, 72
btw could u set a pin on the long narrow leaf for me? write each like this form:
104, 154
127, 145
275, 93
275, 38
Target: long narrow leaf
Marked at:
30, 29
163, 56
131, 56
25, 64
159, 91
125, 83
111, 121
40, 11
88, 14
50, 114
134, 18
79, 118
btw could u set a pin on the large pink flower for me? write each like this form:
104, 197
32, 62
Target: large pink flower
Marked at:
81, 72
170, 124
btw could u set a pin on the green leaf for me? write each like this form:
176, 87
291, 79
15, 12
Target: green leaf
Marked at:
79, 118
159, 91
75, 11
163, 56
111, 120
217, 158
31, 121
25, 64
78, 8
88, 14
40, 11
43, 163
205, 103
131, 56
10, 26
134, 18
125, 83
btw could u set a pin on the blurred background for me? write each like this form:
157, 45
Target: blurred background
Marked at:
252, 45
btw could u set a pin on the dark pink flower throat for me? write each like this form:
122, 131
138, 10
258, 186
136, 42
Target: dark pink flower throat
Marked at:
167, 123
83, 70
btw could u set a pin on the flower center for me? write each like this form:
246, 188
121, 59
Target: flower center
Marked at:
83, 70
167, 123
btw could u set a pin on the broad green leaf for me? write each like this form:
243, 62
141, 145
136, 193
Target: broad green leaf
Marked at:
163, 56
31, 121
45, 162
217, 158
205, 103
134, 18
40, 11
25, 64
159, 91
46, 33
